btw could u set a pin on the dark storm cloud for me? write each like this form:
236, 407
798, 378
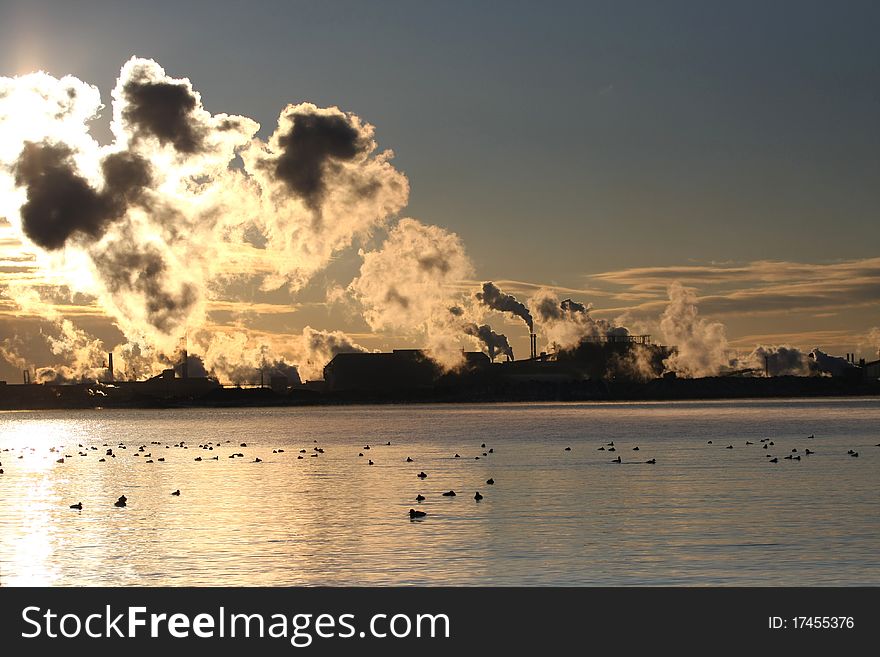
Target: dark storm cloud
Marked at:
498, 300
163, 110
312, 144
60, 202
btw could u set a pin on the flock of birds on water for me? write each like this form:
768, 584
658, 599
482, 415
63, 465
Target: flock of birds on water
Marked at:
414, 514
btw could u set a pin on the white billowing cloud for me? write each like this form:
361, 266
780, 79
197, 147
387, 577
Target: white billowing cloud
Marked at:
155, 224
701, 345
323, 185
409, 286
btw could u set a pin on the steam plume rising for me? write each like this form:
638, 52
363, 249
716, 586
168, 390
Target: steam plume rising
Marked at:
409, 285
701, 346
495, 342
495, 299
780, 360
157, 221
566, 323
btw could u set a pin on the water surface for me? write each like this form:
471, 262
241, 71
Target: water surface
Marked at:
703, 515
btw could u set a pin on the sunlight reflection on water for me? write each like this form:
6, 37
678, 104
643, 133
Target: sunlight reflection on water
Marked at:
702, 515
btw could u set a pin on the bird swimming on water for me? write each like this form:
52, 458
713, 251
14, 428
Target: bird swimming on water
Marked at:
78, 506
416, 514
617, 460
651, 461
490, 481
477, 496
409, 460
176, 493
121, 501
449, 493
567, 449
420, 498
421, 475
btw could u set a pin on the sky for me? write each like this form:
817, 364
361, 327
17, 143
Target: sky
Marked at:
602, 150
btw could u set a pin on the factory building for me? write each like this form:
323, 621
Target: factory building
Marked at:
397, 370
608, 357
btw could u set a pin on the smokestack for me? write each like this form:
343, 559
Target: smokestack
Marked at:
184, 371
110, 365
533, 342
27, 376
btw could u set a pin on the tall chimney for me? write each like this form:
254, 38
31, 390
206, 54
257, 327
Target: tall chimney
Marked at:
184, 370
533, 345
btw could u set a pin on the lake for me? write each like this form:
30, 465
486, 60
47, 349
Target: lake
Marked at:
703, 514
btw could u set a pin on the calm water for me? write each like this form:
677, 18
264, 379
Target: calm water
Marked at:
703, 515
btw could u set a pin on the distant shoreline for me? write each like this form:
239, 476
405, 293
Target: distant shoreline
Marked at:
40, 397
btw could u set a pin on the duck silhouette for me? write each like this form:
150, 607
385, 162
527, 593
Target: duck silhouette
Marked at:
636, 448
370, 462
601, 449
477, 496
416, 514
449, 493
258, 460
421, 475
651, 461
617, 460
567, 449
121, 501
78, 506
809, 451
420, 498
409, 460
490, 482
709, 442
854, 454
774, 460
176, 493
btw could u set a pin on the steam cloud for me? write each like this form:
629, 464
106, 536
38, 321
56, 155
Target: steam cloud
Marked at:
701, 346
159, 216
409, 285
565, 324
780, 360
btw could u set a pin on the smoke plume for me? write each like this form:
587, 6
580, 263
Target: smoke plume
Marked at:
495, 342
495, 299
